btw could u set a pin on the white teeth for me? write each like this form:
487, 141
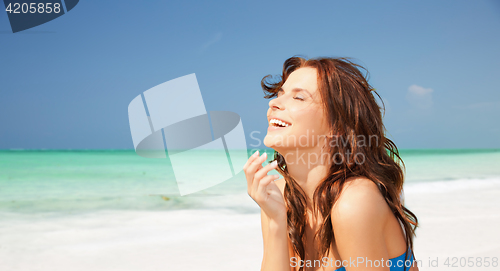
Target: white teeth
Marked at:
279, 123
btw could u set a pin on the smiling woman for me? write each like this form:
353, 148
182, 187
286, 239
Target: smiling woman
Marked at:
304, 113
337, 202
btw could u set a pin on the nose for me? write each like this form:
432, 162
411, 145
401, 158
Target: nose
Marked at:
275, 104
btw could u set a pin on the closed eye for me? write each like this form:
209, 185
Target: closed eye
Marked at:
299, 98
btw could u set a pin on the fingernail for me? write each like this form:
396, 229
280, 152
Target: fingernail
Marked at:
264, 155
274, 163
276, 176
255, 154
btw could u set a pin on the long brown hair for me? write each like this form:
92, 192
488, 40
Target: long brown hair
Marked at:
354, 114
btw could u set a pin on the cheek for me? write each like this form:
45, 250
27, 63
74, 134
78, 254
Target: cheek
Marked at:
312, 125
311, 119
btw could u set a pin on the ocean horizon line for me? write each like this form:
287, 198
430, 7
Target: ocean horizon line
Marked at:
451, 150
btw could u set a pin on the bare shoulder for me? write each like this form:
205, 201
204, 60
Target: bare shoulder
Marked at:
359, 188
360, 200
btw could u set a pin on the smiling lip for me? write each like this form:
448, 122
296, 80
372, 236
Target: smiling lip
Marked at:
273, 127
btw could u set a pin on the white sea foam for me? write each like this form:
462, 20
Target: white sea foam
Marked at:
451, 185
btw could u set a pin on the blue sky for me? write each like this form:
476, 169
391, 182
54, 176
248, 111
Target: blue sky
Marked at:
68, 83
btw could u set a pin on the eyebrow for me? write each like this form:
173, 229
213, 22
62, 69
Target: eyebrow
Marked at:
297, 90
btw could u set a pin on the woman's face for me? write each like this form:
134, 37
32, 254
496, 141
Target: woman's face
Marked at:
298, 105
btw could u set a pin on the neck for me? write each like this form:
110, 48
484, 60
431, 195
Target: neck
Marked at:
308, 167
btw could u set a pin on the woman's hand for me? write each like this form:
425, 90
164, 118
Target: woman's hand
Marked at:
262, 189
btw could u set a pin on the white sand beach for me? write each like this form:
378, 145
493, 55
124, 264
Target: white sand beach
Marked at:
458, 219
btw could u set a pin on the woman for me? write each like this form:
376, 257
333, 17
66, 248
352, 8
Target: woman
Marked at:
339, 205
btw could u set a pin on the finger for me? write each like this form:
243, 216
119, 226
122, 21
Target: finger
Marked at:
256, 166
265, 170
254, 181
251, 159
264, 182
249, 176
248, 173
261, 173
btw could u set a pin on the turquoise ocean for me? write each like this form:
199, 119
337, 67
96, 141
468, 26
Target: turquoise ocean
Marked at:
58, 182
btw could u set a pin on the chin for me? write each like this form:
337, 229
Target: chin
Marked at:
268, 142
271, 142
